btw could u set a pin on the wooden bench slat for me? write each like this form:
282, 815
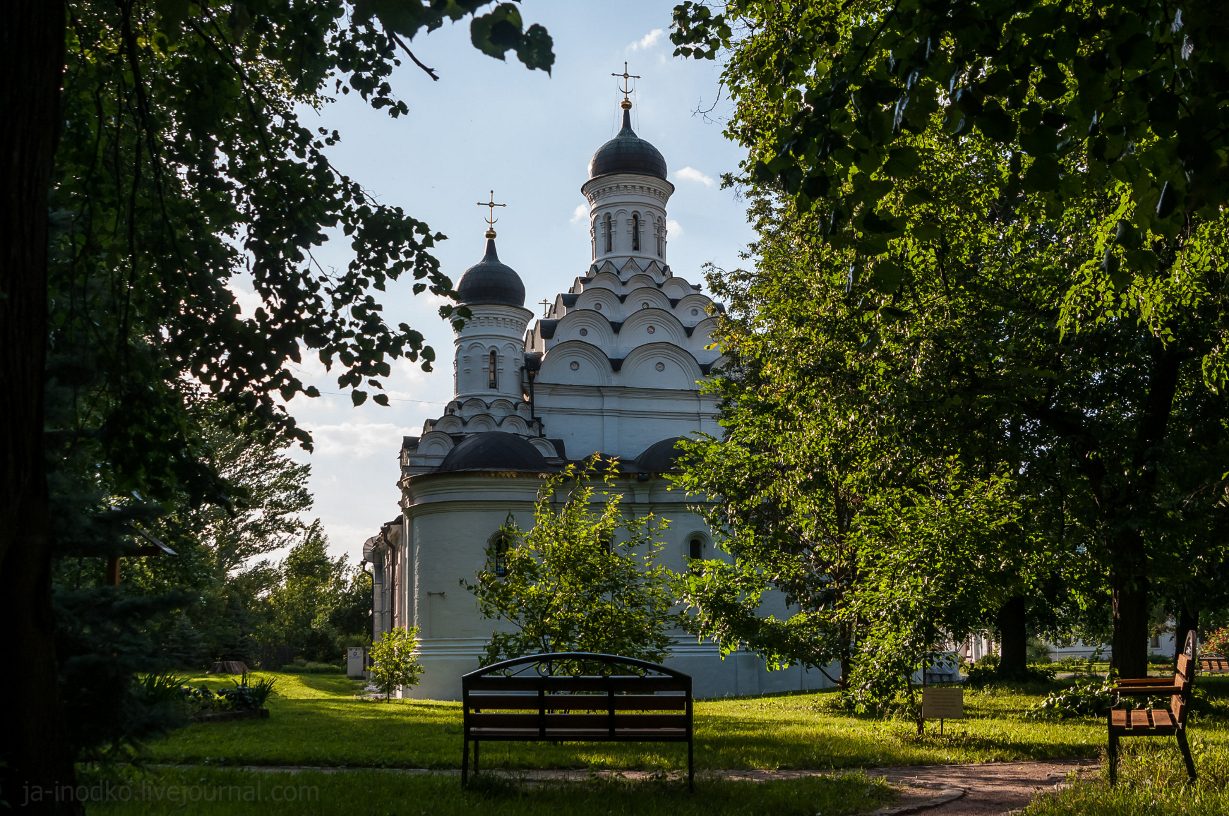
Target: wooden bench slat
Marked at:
579, 702
581, 735
594, 721
619, 683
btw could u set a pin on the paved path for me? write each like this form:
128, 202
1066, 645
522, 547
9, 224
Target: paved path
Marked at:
985, 789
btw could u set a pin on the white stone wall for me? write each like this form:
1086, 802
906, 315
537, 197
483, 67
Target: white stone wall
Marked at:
491, 328
450, 520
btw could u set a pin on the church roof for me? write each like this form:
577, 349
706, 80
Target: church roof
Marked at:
494, 450
660, 457
627, 153
490, 281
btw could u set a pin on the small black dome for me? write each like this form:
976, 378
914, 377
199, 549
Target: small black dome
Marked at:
660, 457
627, 153
494, 450
490, 281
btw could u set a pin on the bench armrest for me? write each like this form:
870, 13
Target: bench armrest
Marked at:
1147, 681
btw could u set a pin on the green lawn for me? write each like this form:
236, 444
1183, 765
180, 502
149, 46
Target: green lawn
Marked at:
229, 792
316, 720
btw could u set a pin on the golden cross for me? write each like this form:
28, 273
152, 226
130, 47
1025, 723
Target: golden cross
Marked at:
491, 219
627, 103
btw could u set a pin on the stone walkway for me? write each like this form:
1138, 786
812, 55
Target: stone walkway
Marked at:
986, 789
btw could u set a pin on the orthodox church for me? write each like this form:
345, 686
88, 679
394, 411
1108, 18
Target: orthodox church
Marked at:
614, 368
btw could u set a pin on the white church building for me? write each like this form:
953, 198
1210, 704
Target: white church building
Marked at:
613, 368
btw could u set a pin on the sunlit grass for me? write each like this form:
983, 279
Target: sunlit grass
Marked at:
316, 720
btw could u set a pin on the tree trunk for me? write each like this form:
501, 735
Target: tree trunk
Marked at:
1013, 639
35, 753
1187, 621
1129, 595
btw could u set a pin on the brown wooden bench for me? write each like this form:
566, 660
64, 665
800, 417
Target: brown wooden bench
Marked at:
1157, 722
576, 697
1213, 664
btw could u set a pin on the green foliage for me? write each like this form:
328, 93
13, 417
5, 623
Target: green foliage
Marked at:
1082, 699
1124, 96
394, 660
583, 579
1216, 641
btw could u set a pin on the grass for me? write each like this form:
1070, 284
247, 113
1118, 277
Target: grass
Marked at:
1151, 780
221, 792
316, 720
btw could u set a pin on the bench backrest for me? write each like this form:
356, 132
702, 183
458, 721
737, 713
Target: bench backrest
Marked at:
522, 696
1184, 679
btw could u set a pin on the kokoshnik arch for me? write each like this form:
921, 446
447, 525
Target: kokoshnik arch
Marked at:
614, 368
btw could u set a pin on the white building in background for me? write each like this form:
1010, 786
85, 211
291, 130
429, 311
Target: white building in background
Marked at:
614, 368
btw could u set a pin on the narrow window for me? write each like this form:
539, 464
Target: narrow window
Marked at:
695, 549
609, 234
660, 237
635, 232
501, 557
491, 370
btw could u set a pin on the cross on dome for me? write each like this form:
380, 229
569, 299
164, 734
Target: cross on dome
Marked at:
626, 104
491, 219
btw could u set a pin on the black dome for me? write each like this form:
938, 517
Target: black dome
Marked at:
627, 153
660, 457
494, 450
490, 281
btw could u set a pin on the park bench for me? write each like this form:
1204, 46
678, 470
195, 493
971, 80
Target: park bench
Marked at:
576, 697
1159, 721
1213, 664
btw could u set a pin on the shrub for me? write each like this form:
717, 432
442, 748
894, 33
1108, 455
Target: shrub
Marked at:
1217, 641
1038, 651
394, 660
1081, 699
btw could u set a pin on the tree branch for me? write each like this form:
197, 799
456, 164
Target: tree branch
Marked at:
406, 49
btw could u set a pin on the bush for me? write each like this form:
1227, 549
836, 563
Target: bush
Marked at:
1082, 699
394, 660
1217, 641
986, 672
249, 695
1038, 651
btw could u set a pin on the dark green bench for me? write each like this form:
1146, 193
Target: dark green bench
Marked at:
576, 697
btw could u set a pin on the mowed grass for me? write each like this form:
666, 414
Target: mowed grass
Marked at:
1151, 780
317, 721
231, 792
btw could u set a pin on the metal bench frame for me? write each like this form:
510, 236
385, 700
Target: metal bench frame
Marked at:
1156, 722
526, 699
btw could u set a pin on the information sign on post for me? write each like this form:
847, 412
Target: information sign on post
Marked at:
942, 704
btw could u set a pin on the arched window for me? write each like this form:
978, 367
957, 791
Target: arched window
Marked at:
635, 232
695, 548
501, 557
660, 236
492, 370
609, 234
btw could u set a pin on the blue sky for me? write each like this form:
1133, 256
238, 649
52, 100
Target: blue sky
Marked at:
493, 125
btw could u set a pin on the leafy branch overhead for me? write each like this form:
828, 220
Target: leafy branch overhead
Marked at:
1124, 94
184, 170
494, 33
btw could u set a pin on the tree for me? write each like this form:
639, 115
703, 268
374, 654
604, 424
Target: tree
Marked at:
1103, 247
830, 488
164, 140
394, 660
829, 92
583, 579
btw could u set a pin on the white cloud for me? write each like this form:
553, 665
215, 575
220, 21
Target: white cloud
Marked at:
692, 174
579, 214
673, 228
647, 41
355, 440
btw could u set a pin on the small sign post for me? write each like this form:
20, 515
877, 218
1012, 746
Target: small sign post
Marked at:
942, 704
